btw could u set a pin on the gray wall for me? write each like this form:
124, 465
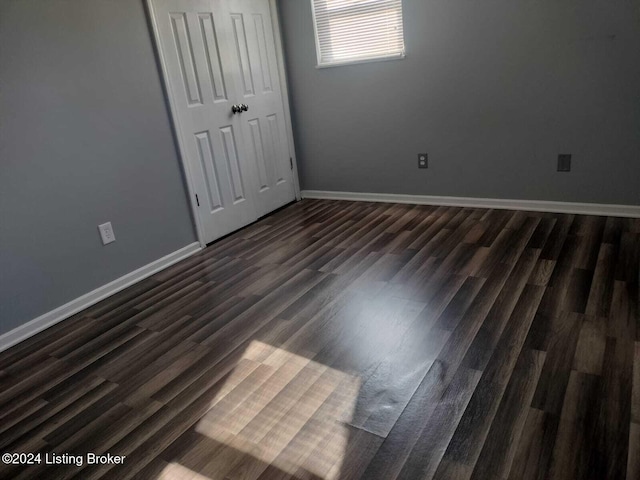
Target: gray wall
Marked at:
493, 90
84, 139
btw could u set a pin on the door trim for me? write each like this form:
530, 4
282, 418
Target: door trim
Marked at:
175, 120
282, 70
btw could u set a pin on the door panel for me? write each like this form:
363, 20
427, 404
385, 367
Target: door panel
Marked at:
205, 151
212, 55
233, 162
263, 125
265, 65
257, 144
201, 80
242, 53
184, 53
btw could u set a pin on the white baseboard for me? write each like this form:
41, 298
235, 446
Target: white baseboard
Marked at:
632, 211
74, 306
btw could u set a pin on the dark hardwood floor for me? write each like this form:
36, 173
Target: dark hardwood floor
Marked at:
351, 340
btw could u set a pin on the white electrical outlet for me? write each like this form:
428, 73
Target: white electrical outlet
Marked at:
106, 232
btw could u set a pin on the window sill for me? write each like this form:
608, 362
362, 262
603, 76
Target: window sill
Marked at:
367, 60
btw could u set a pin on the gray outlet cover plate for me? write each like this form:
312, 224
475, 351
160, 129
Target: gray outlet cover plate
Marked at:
564, 162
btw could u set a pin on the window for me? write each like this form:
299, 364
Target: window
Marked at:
351, 31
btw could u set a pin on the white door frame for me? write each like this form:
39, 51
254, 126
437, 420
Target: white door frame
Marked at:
188, 174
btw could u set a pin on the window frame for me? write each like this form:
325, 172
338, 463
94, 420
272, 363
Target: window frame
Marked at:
382, 58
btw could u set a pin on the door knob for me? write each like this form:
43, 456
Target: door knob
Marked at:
239, 108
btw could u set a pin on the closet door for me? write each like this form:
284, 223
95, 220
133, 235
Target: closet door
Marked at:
253, 46
217, 55
202, 77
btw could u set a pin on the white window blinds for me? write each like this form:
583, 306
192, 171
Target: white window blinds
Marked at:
350, 31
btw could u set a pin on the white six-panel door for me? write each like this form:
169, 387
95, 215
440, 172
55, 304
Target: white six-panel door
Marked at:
218, 53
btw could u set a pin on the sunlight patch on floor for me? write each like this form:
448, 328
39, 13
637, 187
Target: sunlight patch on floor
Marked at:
175, 471
276, 411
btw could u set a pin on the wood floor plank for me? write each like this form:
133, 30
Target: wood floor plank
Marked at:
635, 398
423, 459
613, 414
555, 374
633, 463
499, 449
474, 425
483, 344
570, 458
534, 450
589, 356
